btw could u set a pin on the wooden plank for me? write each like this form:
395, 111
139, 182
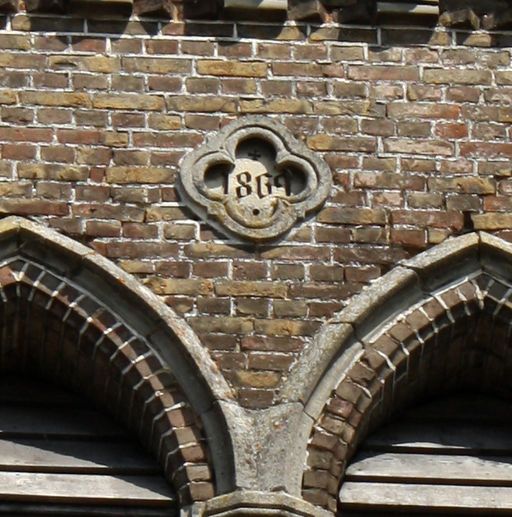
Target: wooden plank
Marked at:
20, 421
69, 488
15, 508
256, 4
409, 8
74, 457
393, 496
444, 438
416, 468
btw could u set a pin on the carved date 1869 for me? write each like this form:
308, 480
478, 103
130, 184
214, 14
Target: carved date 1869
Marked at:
254, 179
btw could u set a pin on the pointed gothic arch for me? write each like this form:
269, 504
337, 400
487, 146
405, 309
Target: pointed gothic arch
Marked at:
70, 315
440, 320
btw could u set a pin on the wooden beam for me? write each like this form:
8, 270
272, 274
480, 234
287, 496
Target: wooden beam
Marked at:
94, 489
257, 4
449, 469
444, 438
408, 8
74, 456
394, 496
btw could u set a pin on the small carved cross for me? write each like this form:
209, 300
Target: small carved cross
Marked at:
254, 155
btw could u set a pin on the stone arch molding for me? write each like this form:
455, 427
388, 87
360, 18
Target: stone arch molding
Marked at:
433, 319
70, 314
254, 180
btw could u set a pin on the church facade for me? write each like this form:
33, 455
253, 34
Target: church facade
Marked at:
253, 233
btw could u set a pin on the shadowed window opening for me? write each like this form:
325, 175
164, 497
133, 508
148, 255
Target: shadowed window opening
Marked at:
451, 455
60, 455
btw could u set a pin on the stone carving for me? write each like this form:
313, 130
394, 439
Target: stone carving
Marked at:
478, 14
255, 179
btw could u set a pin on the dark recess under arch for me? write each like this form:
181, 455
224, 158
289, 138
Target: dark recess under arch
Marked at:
61, 455
452, 455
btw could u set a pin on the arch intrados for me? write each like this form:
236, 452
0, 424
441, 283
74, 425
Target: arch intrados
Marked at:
70, 456
344, 334
431, 277
72, 282
105, 281
103, 352
438, 453
378, 385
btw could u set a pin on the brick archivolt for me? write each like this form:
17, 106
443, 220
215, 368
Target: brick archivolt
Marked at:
439, 322
69, 316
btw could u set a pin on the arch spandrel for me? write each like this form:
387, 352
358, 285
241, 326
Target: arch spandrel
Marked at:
383, 350
69, 313
387, 297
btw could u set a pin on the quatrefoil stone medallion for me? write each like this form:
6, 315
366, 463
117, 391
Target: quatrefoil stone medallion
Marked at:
254, 180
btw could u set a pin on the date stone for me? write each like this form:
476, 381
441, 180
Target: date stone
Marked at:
253, 180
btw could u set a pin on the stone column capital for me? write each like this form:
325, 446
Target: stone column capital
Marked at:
256, 503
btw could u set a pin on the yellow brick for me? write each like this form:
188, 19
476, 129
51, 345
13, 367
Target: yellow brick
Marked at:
99, 64
61, 99
139, 175
275, 106
245, 288
492, 221
255, 379
52, 171
232, 68
157, 65
8, 97
201, 104
166, 286
128, 102
164, 122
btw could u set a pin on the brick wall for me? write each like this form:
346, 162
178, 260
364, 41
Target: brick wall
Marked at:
97, 114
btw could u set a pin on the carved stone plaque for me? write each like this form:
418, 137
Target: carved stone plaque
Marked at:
254, 180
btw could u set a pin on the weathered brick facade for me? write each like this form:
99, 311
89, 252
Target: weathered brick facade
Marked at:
96, 115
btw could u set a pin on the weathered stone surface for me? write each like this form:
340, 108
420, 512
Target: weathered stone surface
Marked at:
83, 283
261, 503
254, 179
431, 265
